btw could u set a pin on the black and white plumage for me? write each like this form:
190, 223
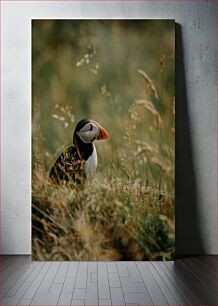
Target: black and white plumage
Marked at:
80, 160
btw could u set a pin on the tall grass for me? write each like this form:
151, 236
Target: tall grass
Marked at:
126, 212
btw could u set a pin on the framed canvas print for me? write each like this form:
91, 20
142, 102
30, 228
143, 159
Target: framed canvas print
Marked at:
103, 140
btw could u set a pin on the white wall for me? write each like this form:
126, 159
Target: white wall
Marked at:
198, 21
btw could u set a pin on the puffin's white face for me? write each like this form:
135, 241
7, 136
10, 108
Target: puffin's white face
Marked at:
91, 131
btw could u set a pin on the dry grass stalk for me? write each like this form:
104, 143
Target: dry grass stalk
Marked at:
151, 108
140, 151
146, 147
149, 82
161, 165
93, 241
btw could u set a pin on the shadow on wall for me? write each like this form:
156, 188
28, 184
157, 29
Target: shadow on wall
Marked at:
188, 233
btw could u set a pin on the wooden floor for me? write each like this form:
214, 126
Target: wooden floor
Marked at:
187, 281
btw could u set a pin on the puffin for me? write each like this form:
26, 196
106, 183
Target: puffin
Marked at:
79, 161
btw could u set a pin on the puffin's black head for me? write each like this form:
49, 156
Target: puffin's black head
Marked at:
89, 130
81, 124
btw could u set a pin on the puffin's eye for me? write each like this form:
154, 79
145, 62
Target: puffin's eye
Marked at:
90, 128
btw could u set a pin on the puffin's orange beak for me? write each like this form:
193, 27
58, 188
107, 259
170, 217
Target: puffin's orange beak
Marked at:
103, 134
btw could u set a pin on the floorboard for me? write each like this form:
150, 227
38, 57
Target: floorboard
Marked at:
171, 284
187, 281
154, 290
208, 273
167, 291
